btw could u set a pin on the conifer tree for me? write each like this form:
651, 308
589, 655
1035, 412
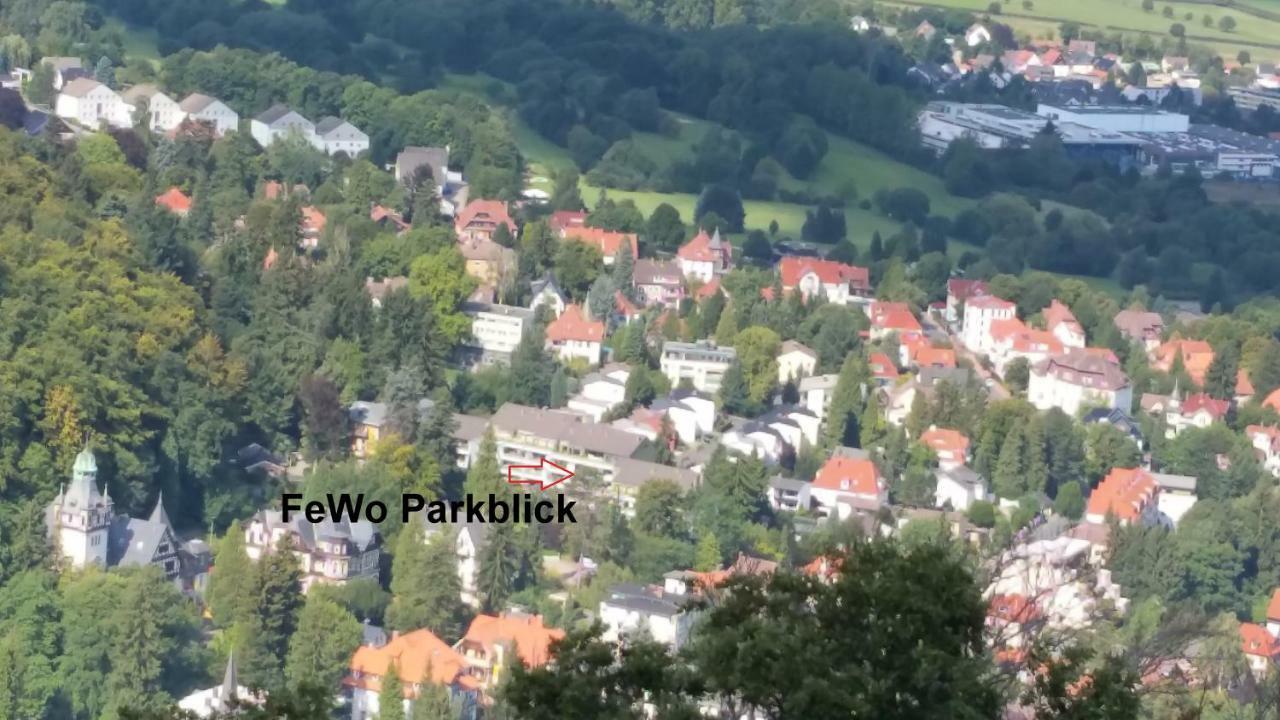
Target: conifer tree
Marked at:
559, 393
734, 393
708, 556
484, 476
846, 402
231, 586
391, 696
275, 616
1036, 467
624, 268
433, 701
872, 427
435, 432
727, 327
425, 586
141, 648
1007, 480
633, 347
498, 566
321, 649
1220, 379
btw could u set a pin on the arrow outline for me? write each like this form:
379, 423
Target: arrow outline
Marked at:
543, 462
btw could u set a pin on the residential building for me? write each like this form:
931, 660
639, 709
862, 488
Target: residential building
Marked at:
702, 364
1079, 379
496, 330
574, 336
980, 312
493, 643
958, 487
608, 242
1175, 496
312, 226
335, 135
1062, 323
388, 219
816, 392
487, 261
547, 292
813, 277
692, 413
1197, 411
1260, 647
220, 699
1196, 355
1142, 327
208, 110
328, 552
1128, 494
958, 292
951, 446
435, 159
525, 435
659, 282
661, 613
976, 35
1009, 340
788, 494
782, 430
848, 485
795, 361
175, 201
84, 529
277, 122
65, 70
418, 657
894, 318
562, 221
601, 392
1266, 441
1117, 419
884, 369
481, 218
705, 257
162, 111
92, 104
633, 474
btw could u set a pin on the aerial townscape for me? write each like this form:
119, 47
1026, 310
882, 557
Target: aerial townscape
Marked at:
897, 360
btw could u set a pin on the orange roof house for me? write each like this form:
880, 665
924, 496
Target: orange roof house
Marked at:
574, 335
1062, 324
490, 641
893, 317
705, 256
921, 354
812, 276
1244, 387
951, 446
175, 201
1273, 400
607, 242
313, 223
883, 369
847, 484
1125, 493
563, 220
1197, 356
413, 655
1257, 643
388, 217
480, 218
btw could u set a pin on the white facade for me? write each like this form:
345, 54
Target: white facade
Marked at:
290, 122
92, 104
468, 552
601, 392
1123, 118
702, 364
632, 610
81, 517
497, 329
959, 488
1046, 391
816, 393
163, 111
334, 136
795, 362
211, 111
979, 313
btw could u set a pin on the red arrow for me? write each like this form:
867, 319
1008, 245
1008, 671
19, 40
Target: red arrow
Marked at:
542, 484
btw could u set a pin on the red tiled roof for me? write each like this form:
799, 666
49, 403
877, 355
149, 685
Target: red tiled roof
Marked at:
990, 302
1273, 607
574, 325
1255, 640
1085, 369
929, 356
379, 213
961, 289
829, 272
562, 220
702, 249
1058, 314
882, 367
1273, 400
485, 213
313, 221
1217, 409
414, 654
946, 440
1244, 386
607, 241
175, 201
531, 638
708, 289
894, 316
1123, 492
625, 307
855, 475
1197, 356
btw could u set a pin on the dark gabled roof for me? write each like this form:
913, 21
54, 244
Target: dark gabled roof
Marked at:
134, 541
328, 124
273, 113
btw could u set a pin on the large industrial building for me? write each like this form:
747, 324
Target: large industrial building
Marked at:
995, 127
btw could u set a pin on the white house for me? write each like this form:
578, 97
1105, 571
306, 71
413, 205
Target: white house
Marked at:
816, 392
1078, 379
328, 553
795, 361
92, 104
979, 313
1059, 320
705, 257
812, 277
468, 544
1266, 440
547, 292
845, 485
65, 69
660, 613
208, 110
702, 363
959, 487
221, 698
977, 34
335, 135
692, 414
279, 121
574, 336
163, 112
773, 433
601, 392
496, 330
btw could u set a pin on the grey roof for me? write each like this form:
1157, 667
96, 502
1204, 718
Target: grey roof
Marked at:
547, 282
230, 682
779, 482
471, 307
1082, 368
657, 272
80, 87
362, 534
703, 350
139, 92
158, 515
364, 412
646, 600
956, 376
566, 428
682, 394
328, 124
1185, 483
818, 382
373, 635
634, 473
1116, 418
469, 427
134, 541
273, 113
195, 102
412, 158
962, 474
63, 63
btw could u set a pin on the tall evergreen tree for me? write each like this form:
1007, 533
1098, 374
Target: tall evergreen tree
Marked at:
498, 567
531, 370
847, 402
727, 327
1008, 480
734, 392
391, 696
708, 556
319, 652
425, 586
231, 588
1035, 463
1220, 379
484, 476
559, 393
624, 268
433, 702
275, 616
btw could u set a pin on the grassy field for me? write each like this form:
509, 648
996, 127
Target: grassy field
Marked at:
139, 42
1041, 20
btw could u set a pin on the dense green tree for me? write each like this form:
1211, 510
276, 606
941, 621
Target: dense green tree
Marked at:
231, 589
320, 651
275, 616
1220, 379
391, 695
665, 230
709, 556
659, 508
498, 564
484, 476
425, 586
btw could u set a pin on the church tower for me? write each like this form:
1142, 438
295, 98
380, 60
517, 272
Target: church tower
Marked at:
80, 517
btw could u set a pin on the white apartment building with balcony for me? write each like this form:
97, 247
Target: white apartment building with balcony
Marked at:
701, 363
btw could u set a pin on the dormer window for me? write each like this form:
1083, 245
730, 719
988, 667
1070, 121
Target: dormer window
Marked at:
844, 484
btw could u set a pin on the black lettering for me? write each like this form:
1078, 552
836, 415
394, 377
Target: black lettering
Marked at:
376, 508
291, 502
456, 510
346, 508
543, 505
494, 506
411, 503
475, 511
315, 511
436, 512
564, 511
